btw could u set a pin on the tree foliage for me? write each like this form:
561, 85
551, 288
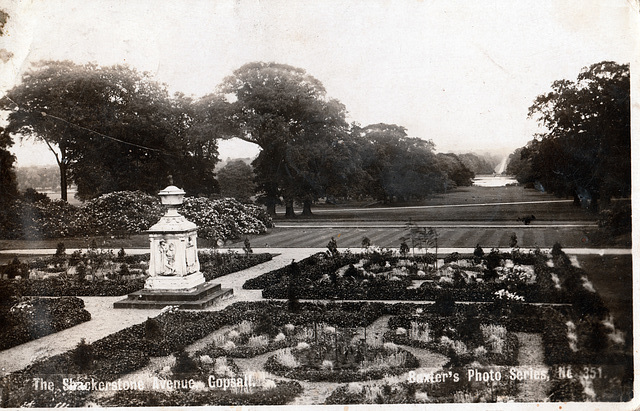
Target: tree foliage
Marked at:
585, 151
236, 180
111, 128
8, 183
458, 174
286, 112
478, 164
397, 166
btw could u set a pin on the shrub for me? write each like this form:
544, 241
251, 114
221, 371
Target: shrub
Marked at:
225, 218
617, 219
82, 356
286, 359
184, 365
122, 212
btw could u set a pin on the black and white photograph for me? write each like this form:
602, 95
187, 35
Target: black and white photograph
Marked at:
347, 204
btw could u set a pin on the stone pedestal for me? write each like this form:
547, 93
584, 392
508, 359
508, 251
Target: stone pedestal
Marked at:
174, 268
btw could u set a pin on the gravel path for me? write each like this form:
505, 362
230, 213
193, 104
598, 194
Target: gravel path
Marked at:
105, 320
531, 356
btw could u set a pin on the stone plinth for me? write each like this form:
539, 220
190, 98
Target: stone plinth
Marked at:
198, 298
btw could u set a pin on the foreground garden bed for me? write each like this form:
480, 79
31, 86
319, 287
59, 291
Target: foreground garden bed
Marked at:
27, 319
329, 342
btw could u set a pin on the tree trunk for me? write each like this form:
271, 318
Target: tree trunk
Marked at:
289, 213
306, 208
62, 164
271, 208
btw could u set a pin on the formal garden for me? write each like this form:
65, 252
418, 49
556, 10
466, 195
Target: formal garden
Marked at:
532, 330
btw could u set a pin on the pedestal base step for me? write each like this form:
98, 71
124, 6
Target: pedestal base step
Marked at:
201, 297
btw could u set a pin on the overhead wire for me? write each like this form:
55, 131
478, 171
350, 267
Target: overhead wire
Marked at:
45, 114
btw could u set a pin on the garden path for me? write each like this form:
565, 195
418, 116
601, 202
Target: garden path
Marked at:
106, 320
531, 355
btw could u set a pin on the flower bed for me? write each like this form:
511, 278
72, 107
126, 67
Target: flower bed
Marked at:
340, 363
282, 393
32, 318
130, 349
249, 339
447, 390
463, 342
525, 277
97, 263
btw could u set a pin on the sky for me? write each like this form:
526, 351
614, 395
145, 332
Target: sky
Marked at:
459, 73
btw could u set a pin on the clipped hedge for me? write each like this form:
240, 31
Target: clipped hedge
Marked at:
214, 264
57, 287
284, 392
33, 318
339, 374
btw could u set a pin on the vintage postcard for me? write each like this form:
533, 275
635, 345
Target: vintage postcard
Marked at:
348, 204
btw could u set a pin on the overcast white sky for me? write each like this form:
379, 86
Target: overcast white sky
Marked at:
461, 73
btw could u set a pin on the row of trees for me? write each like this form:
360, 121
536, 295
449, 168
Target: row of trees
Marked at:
114, 128
585, 151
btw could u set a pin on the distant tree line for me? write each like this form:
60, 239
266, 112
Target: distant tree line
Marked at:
115, 128
585, 151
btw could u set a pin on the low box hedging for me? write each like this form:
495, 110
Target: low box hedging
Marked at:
214, 265
313, 267
284, 392
57, 287
339, 375
33, 318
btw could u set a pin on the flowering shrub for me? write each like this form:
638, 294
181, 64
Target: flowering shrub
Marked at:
506, 295
122, 212
47, 219
225, 218
131, 212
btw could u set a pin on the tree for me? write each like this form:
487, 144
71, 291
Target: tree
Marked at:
8, 184
457, 173
110, 128
286, 112
236, 180
398, 167
519, 165
5, 55
586, 148
478, 164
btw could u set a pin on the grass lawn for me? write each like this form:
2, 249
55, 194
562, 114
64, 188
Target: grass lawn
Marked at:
466, 204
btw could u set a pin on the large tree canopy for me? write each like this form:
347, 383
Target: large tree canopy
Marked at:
286, 112
586, 149
111, 128
398, 166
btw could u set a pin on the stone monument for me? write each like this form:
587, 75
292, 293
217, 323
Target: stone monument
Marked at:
174, 269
